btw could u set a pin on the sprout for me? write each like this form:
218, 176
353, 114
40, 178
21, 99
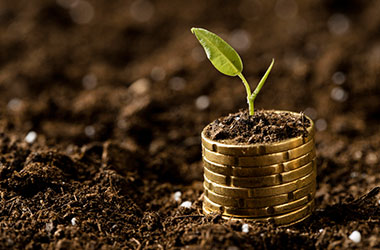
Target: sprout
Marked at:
227, 61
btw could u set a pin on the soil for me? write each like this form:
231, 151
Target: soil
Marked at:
265, 126
102, 104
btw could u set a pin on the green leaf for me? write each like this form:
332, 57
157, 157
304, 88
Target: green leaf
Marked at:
220, 53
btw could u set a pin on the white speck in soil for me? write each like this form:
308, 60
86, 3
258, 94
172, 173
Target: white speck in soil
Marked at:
140, 87
240, 40
202, 102
355, 236
82, 12
177, 196
245, 228
371, 158
321, 124
89, 131
74, 221
311, 112
142, 10
338, 78
158, 74
338, 94
177, 83
186, 204
357, 155
354, 174
89, 81
286, 9
338, 24
49, 227
31, 137
321, 230
14, 104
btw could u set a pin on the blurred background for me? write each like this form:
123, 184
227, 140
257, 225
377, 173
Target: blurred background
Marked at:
78, 71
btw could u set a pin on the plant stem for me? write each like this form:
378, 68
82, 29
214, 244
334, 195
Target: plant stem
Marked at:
249, 94
261, 83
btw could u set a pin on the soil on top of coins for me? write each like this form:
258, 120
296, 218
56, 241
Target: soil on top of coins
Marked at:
103, 102
264, 126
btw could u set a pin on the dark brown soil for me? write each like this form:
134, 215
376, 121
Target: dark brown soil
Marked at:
117, 93
262, 127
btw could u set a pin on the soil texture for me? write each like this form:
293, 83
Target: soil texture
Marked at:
262, 127
103, 102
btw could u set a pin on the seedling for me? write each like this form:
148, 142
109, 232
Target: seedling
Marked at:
227, 61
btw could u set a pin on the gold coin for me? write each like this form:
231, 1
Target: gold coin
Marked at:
258, 161
259, 171
280, 220
261, 181
260, 202
260, 192
258, 212
257, 148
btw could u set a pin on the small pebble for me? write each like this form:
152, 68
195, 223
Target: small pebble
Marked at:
240, 40
311, 112
82, 12
245, 228
202, 102
31, 137
177, 83
338, 24
89, 81
338, 94
355, 236
49, 227
354, 174
177, 196
74, 221
14, 104
358, 155
140, 87
321, 230
321, 124
158, 73
339, 78
89, 131
371, 158
186, 204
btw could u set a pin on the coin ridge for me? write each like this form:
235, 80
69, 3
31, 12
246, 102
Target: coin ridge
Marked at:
260, 212
263, 191
258, 202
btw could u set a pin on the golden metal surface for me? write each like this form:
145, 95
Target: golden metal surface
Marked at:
245, 193
287, 219
259, 161
260, 202
258, 212
260, 181
259, 171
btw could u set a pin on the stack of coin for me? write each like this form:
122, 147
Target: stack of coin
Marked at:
273, 182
